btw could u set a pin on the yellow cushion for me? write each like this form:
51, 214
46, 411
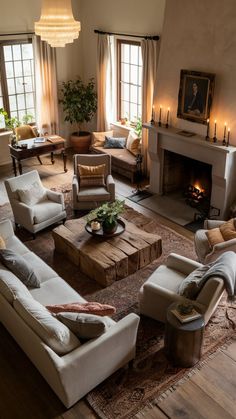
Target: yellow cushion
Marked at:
91, 175
228, 230
98, 138
25, 132
133, 143
214, 236
2, 243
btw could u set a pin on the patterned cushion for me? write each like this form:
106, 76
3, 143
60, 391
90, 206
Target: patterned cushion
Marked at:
78, 307
112, 142
133, 143
91, 175
98, 138
32, 195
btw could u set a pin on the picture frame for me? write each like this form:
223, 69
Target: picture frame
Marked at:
195, 95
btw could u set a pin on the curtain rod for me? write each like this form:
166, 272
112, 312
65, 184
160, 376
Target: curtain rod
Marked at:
17, 33
154, 37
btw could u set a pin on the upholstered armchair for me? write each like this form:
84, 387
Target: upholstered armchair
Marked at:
92, 196
161, 289
207, 253
25, 132
34, 207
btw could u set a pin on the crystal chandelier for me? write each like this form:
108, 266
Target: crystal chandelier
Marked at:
57, 25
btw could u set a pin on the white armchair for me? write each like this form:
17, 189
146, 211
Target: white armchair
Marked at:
161, 289
204, 251
93, 196
37, 216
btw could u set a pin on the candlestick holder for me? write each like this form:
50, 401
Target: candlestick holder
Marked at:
227, 143
224, 142
207, 133
214, 139
159, 122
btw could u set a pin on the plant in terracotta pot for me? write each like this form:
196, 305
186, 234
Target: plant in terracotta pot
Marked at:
107, 215
79, 101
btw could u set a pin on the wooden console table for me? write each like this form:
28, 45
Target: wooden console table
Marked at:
110, 259
53, 144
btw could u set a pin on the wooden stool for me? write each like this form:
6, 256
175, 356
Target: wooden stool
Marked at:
183, 341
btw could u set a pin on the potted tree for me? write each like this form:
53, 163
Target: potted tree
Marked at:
79, 101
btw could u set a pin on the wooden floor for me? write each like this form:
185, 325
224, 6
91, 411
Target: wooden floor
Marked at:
208, 394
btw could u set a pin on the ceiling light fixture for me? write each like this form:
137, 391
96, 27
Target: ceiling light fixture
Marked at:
57, 25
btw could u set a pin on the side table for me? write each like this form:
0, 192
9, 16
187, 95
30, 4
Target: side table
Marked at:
183, 341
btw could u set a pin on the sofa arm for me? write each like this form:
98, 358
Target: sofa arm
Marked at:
91, 363
209, 224
111, 186
6, 229
23, 213
56, 197
181, 263
218, 249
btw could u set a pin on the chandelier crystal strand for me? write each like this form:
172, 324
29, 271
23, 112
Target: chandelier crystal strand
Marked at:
57, 25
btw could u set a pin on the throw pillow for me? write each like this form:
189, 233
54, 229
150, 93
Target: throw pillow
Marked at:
34, 194
78, 307
2, 243
91, 175
98, 138
10, 286
55, 334
112, 142
193, 283
133, 143
18, 265
228, 230
85, 326
214, 236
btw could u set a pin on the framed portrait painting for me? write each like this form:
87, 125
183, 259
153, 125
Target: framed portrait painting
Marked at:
195, 95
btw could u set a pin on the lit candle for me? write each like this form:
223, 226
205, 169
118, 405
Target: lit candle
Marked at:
214, 138
160, 116
167, 117
228, 137
224, 138
153, 114
207, 134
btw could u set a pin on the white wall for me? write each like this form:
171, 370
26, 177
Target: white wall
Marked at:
199, 35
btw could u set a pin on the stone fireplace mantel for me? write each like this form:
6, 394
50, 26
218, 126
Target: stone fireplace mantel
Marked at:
222, 159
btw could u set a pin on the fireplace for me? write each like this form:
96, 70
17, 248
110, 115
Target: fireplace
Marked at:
216, 162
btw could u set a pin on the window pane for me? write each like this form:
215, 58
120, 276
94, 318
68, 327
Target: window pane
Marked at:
29, 100
12, 101
1, 102
11, 86
14, 114
139, 111
125, 49
2, 120
19, 85
125, 73
16, 52
21, 114
133, 112
133, 94
27, 68
28, 84
31, 112
27, 51
139, 95
124, 91
134, 54
140, 76
140, 60
21, 101
18, 68
7, 53
9, 69
134, 74
124, 109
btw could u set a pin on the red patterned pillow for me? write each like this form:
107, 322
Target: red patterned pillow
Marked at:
90, 308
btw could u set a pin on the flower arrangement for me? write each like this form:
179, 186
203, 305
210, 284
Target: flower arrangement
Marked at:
107, 215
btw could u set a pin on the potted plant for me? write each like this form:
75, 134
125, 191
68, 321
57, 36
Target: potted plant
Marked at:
107, 215
79, 101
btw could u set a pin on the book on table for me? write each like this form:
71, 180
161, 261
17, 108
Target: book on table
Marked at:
185, 318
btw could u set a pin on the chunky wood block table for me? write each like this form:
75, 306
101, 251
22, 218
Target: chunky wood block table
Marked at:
110, 259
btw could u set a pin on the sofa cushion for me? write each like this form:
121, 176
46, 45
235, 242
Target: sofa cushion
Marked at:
91, 175
112, 142
85, 326
88, 307
98, 193
45, 210
192, 284
2, 243
228, 230
33, 194
20, 267
98, 138
133, 143
214, 236
11, 286
52, 332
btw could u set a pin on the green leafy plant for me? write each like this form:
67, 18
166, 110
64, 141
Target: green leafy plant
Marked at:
138, 127
79, 101
14, 122
27, 118
107, 212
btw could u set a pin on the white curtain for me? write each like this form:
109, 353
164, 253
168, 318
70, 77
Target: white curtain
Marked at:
105, 69
150, 52
46, 87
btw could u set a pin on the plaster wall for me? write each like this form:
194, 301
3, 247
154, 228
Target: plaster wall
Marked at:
199, 35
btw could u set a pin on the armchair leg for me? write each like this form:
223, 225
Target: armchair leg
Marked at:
64, 220
34, 236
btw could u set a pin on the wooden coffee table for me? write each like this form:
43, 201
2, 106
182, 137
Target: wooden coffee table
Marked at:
107, 260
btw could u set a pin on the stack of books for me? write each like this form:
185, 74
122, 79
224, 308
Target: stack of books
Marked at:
185, 318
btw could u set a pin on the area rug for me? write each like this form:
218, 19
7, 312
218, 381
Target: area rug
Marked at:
129, 390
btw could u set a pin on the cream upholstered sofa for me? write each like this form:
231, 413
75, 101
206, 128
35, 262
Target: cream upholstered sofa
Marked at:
47, 210
93, 196
205, 252
80, 367
161, 289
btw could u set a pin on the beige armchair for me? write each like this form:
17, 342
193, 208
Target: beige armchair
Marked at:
204, 251
34, 207
161, 289
88, 197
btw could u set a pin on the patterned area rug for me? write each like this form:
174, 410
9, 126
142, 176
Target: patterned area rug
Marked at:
131, 389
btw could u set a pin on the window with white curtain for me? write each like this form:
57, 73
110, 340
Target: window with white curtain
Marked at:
17, 81
129, 80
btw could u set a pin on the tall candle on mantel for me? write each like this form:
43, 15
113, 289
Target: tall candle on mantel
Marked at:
167, 117
228, 137
208, 124
215, 128
160, 114
225, 130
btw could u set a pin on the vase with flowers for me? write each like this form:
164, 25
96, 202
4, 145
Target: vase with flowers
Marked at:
107, 215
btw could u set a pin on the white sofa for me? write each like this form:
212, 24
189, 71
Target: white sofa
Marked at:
73, 374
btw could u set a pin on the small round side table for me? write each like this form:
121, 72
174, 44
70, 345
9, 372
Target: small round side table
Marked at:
183, 341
